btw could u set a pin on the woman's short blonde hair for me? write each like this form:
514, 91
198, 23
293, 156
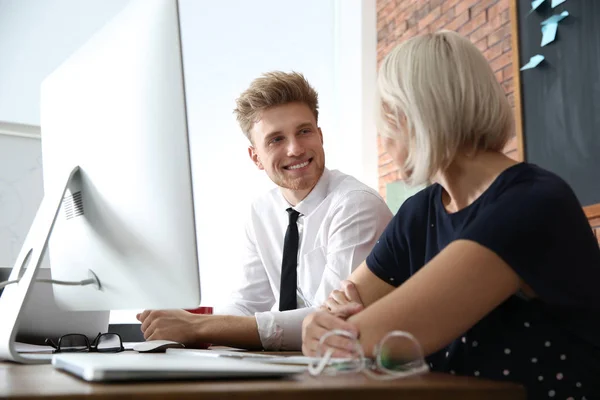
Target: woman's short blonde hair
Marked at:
441, 90
272, 89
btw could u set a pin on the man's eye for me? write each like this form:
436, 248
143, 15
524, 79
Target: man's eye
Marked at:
275, 140
305, 131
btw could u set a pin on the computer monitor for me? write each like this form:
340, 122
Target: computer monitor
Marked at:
116, 108
116, 160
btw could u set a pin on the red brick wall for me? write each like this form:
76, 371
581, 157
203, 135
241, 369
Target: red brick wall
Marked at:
485, 22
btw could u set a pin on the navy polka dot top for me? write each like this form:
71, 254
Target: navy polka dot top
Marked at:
531, 218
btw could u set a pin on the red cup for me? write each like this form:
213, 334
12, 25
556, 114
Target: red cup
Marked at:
206, 311
201, 310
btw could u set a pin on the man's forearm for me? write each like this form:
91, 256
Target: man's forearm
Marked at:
229, 330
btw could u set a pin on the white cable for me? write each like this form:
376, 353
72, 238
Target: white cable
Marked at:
6, 283
83, 282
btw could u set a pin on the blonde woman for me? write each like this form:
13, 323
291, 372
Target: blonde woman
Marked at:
493, 267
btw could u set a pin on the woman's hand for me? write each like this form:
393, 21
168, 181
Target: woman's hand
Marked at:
317, 324
340, 298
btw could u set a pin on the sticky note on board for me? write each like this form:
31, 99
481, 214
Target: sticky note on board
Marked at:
535, 4
550, 27
557, 2
555, 18
533, 62
549, 33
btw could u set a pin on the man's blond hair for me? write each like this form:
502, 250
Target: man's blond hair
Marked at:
272, 89
441, 89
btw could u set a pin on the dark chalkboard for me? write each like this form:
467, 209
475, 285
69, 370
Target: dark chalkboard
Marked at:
560, 99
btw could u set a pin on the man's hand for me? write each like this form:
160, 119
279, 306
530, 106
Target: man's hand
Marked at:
338, 299
177, 325
317, 324
198, 330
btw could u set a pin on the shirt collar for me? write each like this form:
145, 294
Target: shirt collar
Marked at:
314, 198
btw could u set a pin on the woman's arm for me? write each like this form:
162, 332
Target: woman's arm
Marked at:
370, 288
360, 290
450, 294
362, 287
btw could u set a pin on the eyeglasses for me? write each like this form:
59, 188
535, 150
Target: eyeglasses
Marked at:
76, 342
397, 355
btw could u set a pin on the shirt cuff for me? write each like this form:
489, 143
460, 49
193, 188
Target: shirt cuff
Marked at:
281, 330
269, 332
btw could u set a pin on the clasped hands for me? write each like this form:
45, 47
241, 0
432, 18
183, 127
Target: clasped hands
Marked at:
333, 314
184, 327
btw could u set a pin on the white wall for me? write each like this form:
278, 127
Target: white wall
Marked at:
20, 186
355, 47
226, 44
224, 50
35, 37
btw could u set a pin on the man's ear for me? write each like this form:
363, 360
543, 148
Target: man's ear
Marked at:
321, 134
254, 157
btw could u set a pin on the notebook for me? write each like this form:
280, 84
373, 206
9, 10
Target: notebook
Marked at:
128, 366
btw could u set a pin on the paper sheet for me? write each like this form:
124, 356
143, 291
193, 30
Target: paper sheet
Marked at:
264, 358
32, 348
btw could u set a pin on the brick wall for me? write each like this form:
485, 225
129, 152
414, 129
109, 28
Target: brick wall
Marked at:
485, 22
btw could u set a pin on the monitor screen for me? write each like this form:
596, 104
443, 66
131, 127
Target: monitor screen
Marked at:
116, 109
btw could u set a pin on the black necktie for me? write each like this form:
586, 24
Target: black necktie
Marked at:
287, 295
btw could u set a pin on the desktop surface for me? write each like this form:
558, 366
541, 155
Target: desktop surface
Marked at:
45, 382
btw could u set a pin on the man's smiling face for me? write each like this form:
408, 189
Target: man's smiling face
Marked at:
288, 145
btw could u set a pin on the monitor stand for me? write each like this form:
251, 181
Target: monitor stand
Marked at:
15, 296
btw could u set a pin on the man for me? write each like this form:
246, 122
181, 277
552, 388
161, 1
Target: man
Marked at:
303, 237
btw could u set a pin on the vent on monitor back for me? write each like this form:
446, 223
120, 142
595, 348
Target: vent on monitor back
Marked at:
73, 205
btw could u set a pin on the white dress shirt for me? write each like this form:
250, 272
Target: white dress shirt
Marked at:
340, 221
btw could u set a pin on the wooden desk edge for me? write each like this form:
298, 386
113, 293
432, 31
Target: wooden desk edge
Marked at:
44, 382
